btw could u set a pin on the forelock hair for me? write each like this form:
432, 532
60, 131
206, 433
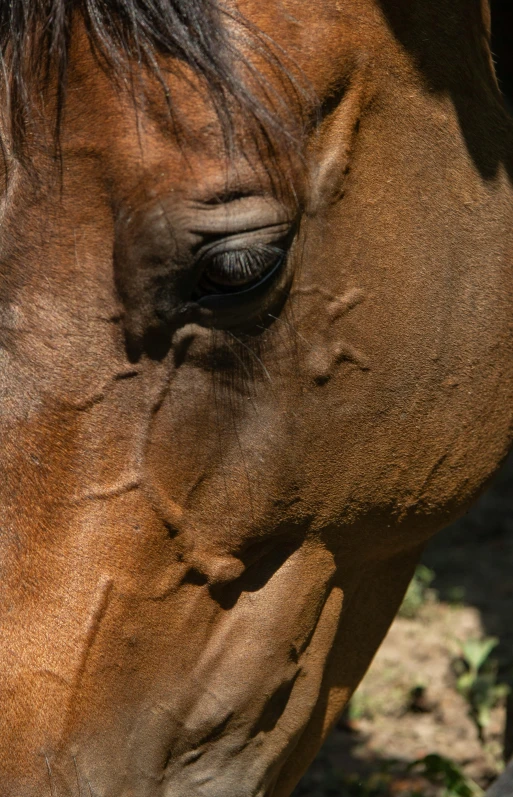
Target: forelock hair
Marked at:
35, 38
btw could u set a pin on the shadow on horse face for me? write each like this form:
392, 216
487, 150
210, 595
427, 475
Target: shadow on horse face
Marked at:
245, 375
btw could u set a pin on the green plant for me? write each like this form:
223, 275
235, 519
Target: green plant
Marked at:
433, 769
442, 771
394, 777
417, 592
477, 680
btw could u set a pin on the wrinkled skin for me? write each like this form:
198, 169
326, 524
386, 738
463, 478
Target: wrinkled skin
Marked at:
205, 534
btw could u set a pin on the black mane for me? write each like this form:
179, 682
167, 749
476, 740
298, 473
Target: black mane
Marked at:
35, 43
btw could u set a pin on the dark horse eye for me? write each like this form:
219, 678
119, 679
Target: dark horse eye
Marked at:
236, 270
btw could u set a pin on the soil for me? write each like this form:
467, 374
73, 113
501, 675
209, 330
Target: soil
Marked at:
408, 705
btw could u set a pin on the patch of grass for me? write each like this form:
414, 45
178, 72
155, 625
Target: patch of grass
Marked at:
433, 774
417, 592
476, 680
442, 771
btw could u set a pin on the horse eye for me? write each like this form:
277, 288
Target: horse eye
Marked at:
236, 270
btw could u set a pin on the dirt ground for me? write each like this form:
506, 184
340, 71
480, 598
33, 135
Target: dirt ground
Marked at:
408, 705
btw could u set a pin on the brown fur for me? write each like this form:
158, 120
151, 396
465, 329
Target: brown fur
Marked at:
205, 531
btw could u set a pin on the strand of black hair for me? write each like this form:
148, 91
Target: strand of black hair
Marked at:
35, 40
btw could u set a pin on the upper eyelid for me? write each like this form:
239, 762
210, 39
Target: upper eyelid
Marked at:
272, 234
241, 215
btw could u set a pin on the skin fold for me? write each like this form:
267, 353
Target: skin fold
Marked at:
210, 508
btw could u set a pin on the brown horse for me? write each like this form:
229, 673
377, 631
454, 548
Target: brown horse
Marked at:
255, 327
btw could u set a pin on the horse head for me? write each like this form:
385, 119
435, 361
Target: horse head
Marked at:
255, 341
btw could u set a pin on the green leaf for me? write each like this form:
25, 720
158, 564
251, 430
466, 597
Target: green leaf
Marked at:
476, 651
440, 770
465, 682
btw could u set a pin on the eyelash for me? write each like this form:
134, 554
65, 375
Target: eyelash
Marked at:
236, 270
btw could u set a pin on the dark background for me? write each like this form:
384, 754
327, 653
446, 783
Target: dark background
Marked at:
502, 44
